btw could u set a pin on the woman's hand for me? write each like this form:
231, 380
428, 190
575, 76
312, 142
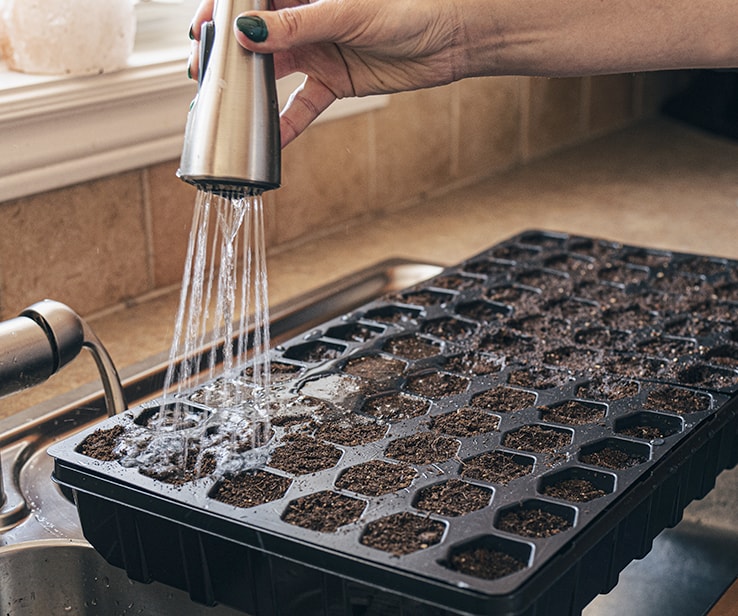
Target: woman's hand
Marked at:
347, 48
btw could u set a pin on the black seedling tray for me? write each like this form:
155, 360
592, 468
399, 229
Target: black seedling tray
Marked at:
547, 361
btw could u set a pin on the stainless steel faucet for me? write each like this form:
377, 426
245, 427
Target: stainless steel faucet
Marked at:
43, 339
232, 141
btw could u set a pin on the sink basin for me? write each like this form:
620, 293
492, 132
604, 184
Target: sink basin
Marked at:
62, 578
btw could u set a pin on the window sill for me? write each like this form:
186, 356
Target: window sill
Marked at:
58, 131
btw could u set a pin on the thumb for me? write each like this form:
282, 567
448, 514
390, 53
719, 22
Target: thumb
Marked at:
272, 31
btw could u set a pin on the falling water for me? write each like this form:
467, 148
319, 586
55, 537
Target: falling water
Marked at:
223, 298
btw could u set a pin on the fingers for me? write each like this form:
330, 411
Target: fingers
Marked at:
273, 31
203, 13
305, 104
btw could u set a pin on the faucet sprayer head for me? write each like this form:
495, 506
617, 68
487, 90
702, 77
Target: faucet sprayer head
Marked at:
232, 141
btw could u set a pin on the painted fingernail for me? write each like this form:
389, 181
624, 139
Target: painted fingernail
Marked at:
189, 72
254, 28
191, 33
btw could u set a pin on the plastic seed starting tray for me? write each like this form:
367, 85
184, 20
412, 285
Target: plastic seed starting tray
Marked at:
502, 439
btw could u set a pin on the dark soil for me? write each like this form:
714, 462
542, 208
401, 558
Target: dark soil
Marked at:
540, 439
425, 297
608, 388
644, 432
325, 512
532, 522
485, 563
393, 314
180, 474
303, 454
354, 332
403, 533
250, 488
496, 467
374, 367
574, 358
351, 431
541, 378
376, 477
465, 421
436, 384
573, 413
677, 400
574, 490
503, 399
448, 328
101, 444
612, 457
507, 342
395, 407
315, 351
279, 371
455, 282
622, 274
473, 364
411, 347
422, 448
453, 498
482, 311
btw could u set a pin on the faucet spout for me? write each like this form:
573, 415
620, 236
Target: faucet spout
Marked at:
232, 140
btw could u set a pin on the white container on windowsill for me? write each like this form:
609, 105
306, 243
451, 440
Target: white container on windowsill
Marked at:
68, 37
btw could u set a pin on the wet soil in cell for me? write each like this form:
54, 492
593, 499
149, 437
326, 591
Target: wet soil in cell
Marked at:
436, 384
724, 355
178, 474
503, 399
645, 432
608, 388
668, 348
325, 512
393, 314
677, 400
573, 357
279, 371
482, 311
628, 318
612, 457
374, 367
453, 498
508, 342
354, 332
702, 375
473, 363
537, 438
622, 274
101, 444
606, 294
574, 490
541, 325
425, 297
454, 282
411, 347
524, 300
495, 467
728, 291
647, 258
549, 283
538, 378
484, 563
316, 351
303, 454
395, 407
570, 263
448, 328
376, 477
573, 413
465, 421
403, 533
352, 431
250, 489
422, 448
487, 267
533, 522
635, 366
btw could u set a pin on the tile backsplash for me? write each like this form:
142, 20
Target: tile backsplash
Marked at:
112, 240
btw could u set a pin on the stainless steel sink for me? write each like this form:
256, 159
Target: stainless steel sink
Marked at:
47, 568
61, 577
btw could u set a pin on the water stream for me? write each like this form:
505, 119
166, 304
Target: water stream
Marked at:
221, 336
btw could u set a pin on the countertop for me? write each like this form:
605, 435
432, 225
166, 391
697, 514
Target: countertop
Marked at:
656, 184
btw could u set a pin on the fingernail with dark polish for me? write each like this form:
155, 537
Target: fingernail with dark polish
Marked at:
254, 28
191, 33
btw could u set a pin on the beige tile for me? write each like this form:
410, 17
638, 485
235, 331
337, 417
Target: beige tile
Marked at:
84, 245
555, 117
325, 179
171, 204
489, 125
611, 102
413, 145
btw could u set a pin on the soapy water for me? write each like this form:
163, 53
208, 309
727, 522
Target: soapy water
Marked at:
221, 327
